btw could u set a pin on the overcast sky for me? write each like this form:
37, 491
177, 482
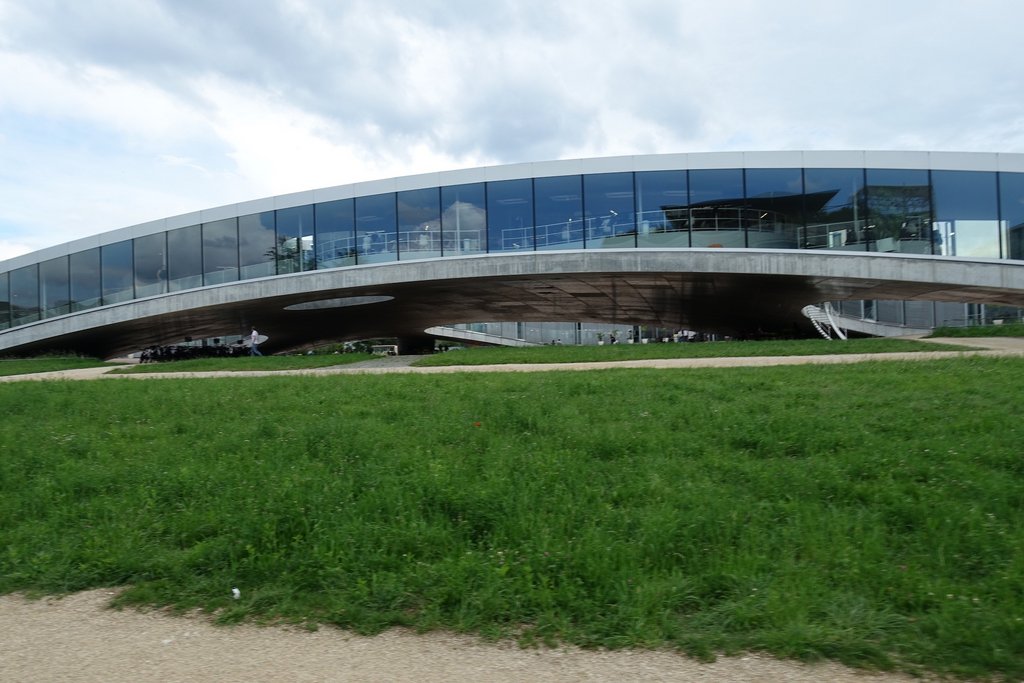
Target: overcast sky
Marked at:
116, 112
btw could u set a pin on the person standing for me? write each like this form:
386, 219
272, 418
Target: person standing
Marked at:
254, 343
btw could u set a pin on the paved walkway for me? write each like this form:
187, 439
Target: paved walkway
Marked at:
973, 346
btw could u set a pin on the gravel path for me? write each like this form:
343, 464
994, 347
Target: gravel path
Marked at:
78, 639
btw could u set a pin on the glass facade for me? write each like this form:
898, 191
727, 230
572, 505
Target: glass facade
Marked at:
911, 211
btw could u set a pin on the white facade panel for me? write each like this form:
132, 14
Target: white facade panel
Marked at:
772, 159
712, 160
219, 213
896, 159
661, 162
963, 161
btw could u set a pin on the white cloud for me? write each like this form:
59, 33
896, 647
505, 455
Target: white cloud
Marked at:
130, 111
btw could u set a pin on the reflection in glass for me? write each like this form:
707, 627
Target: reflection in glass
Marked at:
609, 211
335, 233
151, 265
5, 301
558, 211
295, 239
836, 209
510, 215
256, 247
662, 216
966, 213
773, 211
25, 295
376, 228
1011, 198
464, 219
419, 223
716, 208
184, 258
116, 272
220, 251
899, 211
54, 287
85, 279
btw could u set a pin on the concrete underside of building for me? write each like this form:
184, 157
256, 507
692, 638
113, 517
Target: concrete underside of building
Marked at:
740, 292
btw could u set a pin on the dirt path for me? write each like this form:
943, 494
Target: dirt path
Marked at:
77, 639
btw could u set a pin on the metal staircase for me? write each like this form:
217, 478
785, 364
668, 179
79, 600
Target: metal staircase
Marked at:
821, 318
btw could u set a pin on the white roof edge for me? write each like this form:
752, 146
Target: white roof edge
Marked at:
967, 161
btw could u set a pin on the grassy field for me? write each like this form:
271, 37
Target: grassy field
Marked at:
618, 352
872, 514
25, 366
1007, 330
246, 363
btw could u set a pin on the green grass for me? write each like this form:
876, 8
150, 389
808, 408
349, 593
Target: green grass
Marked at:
617, 352
246, 363
871, 514
25, 366
1006, 330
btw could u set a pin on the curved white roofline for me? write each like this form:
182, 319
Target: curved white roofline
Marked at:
954, 161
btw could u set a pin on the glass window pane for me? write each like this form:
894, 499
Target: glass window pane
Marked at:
835, 209
662, 214
25, 294
419, 223
256, 245
376, 231
54, 287
5, 301
85, 279
464, 219
716, 204
151, 265
220, 251
609, 210
1011, 199
295, 239
510, 215
185, 258
116, 272
966, 212
558, 211
773, 212
335, 234
899, 211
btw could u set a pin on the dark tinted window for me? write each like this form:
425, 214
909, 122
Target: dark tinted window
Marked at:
1011, 198
662, 201
609, 210
773, 212
25, 294
54, 287
835, 209
376, 231
717, 208
966, 211
419, 223
85, 279
220, 251
295, 239
256, 245
5, 301
151, 265
558, 212
899, 211
335, 233
116, 275
464, 219
510, 215
185, 258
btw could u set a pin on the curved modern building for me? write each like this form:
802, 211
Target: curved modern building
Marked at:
734, 243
